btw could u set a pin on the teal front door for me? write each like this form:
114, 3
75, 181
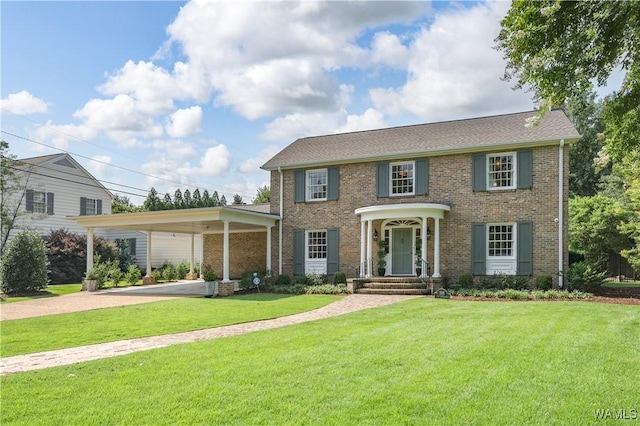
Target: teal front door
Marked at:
401, 251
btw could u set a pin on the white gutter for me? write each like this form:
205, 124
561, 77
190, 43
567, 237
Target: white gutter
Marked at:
561, 214
280, 227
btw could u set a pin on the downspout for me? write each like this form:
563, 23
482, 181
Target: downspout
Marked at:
561, 214
280, 227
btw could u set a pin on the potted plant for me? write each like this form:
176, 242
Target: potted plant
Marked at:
382, 257
210, 281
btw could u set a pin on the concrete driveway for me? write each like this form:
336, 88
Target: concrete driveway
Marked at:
180, 288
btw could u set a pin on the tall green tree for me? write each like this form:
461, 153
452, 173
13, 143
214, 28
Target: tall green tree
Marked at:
187, 200
559, 48
178, 201
237, 199
153, 201
197, 198
167, 202
122, 204
263, 195
13, 187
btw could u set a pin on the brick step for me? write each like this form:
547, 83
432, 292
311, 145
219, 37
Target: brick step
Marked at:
391, 291
396, 285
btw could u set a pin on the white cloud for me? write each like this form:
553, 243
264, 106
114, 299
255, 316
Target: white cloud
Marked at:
61, 134
178, 150
216, 161
185, 122
388, 49
22, 103
99, 166
252, 165
453, 70
370, 119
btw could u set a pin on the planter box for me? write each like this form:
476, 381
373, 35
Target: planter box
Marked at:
211, 288
90, 285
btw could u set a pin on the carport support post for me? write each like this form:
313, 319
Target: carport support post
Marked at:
148, 279
225, 253
191, 275
89, 249
268, 262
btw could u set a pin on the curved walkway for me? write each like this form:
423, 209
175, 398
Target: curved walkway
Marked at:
38, 361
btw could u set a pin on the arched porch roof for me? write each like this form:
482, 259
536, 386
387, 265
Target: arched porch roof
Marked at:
398, 211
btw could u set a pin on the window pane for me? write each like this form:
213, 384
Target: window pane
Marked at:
317, 244
501, 171
91, 207
402, 178
317, 185
39, 202
500, 240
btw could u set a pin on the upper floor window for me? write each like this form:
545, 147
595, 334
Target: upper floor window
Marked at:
39, 202
90, 206
317, 185
501, 170
402, 178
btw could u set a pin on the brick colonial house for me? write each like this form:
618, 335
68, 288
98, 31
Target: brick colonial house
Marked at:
490, 195
484, 196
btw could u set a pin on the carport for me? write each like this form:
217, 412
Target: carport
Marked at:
208, 220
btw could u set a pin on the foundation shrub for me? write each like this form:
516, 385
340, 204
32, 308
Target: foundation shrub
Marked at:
24, 264
339, 278
133, 274
544, 282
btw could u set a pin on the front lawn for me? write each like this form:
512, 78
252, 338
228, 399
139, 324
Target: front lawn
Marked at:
50, 291
621, 284
149, 319
423, 361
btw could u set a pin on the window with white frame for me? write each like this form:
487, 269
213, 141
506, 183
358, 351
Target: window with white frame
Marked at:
402, 178
501, 240
316, 245
39, 202
317, 185
91, 206
501, 170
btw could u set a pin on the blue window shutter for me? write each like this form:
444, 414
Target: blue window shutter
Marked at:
98, 206
299, 189
478, 249
83, 206
50, 203
422, 176
132, 246
525, 248
333, 181
479, 172
333, 251
298, 252
382, 179
525, 169
29, 200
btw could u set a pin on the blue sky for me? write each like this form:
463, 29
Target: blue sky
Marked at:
201, 94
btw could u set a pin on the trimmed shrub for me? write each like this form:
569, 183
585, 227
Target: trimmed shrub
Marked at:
465, 281
544, 282
283, 280
182, 269
169, 272
583, 276
133, 274
327, 289
67, 253
246, 279
339, 278
311, 279
24, 264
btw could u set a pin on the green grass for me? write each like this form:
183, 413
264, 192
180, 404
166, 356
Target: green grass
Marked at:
617, 284
150, 319
424, 361
53, 290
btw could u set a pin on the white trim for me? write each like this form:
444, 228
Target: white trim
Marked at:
402, 211
507, 265
413, 178
307, 184
514, 239
514, 170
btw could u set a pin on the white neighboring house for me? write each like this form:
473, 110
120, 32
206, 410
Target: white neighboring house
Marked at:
58, 187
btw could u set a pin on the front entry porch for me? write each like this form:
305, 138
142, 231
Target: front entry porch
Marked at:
396, 240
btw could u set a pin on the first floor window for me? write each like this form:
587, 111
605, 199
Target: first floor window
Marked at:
500, 239
402, 178
501, 169
317, 185
316, 245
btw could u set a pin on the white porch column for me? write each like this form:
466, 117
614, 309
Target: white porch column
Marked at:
436, 249
369, 248
89, 249
363, 248
268, 262
192, 254
423, 247
225, 253
148, 254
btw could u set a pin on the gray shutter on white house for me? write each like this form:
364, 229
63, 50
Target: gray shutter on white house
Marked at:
525, 248
422, 176
299, 187
83, 206
478, 248
525, 169
132, 246
49, 203
333, 251
333, 183
98, 206
479, 172
298, 252
29, 200
382, 179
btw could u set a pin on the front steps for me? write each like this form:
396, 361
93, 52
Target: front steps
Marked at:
408, 285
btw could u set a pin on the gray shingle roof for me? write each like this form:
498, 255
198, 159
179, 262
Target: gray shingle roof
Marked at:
507, 131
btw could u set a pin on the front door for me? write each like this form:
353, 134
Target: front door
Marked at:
401, 251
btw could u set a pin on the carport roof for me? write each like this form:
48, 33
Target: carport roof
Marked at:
186, 221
